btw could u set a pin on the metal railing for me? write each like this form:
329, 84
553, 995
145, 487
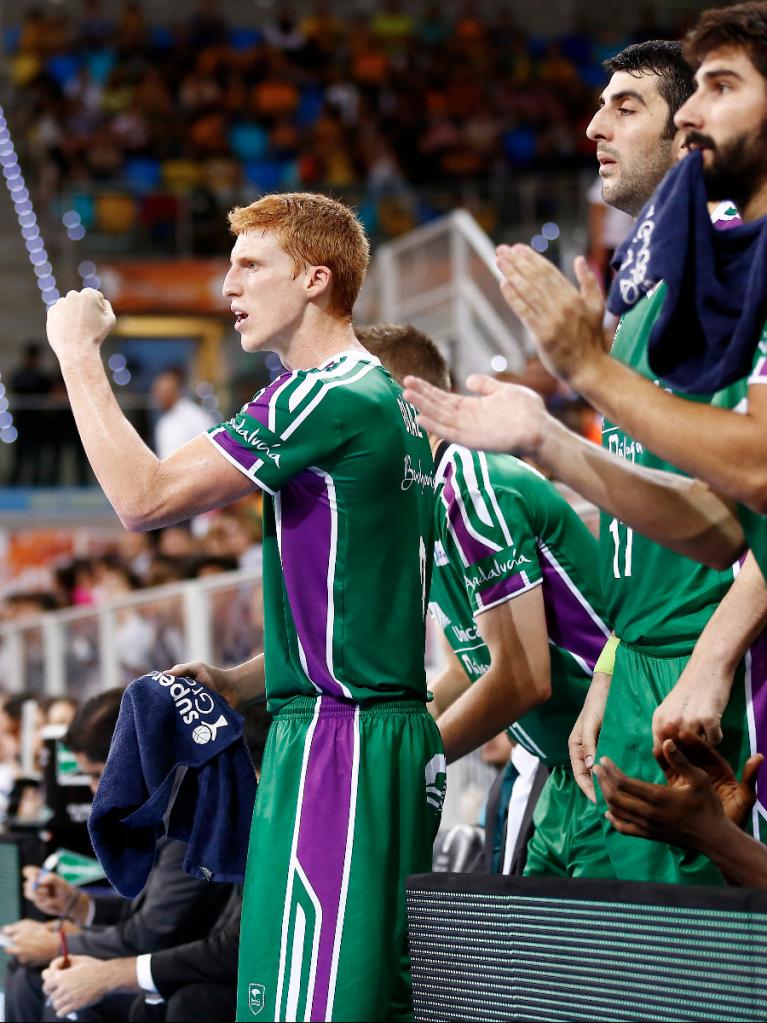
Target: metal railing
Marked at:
442, 278
82, 651
79, 651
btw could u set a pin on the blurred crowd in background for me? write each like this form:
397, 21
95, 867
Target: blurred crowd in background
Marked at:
204, 111
223, 541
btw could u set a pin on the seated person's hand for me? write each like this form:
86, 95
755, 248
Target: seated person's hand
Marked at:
692, 810
33, 943
737, 797
51, 895
83, 982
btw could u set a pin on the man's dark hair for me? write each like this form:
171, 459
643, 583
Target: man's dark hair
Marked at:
44, 601
13, 704
404, 351
743, 26
175, 371
665, 59
92, 727
217, 562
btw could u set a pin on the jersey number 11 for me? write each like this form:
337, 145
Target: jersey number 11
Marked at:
615, 527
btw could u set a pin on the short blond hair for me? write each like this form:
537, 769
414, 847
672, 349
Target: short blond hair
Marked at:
317, 230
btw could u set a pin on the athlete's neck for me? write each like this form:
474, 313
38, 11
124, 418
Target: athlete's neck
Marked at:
309, 349
434, 443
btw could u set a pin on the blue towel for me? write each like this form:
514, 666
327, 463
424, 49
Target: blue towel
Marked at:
169, 729
716, 302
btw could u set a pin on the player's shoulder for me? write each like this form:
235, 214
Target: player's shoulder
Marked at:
474, 471
314, 394
351, 377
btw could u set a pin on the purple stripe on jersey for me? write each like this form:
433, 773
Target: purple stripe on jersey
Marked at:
322, 834
473, 549
759, 702
245, 457
760, 370
570, 625
505, 588
306, 524
259, 409
725, 225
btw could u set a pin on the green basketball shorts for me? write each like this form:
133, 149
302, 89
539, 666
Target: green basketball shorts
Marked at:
348, 805
640, 684
568, 840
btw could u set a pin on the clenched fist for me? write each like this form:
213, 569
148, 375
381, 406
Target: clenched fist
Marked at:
79, 322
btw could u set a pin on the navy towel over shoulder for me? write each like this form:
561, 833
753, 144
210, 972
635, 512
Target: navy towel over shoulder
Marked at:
716, 303
166, 725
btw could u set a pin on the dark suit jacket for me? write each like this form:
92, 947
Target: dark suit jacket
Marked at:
213, 959
173, 907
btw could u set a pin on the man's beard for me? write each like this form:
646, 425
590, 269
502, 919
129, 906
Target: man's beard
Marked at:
738, 167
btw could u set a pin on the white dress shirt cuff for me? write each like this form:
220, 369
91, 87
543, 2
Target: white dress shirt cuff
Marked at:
145, 979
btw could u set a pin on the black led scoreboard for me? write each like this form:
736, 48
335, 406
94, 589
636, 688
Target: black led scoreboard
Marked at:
485, 947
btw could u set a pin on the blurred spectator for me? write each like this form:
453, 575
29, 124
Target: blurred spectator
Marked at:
59, 710
173, 907
235, 533
141, 105
177, 542
164, 570
180, 418
21, 721
10, 747
194, 982
21, 606
212, 564
29, 385
76, 583
136, 551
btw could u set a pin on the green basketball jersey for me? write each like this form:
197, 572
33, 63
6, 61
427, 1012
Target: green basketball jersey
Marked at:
755, 525
501, 529
347, 477
657, 600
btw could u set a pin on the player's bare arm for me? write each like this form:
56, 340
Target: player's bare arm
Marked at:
582, 744
451, 683
700, 697
680, 513
145, 492
518, 679
566, 326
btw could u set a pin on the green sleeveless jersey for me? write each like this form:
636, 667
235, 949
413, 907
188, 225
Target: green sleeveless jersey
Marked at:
500, 530
347, 476
656, 600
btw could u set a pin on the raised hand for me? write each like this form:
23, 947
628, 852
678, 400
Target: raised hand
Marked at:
693, 810
736, 797
566, 323
51, 893
506, 417
79, 322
